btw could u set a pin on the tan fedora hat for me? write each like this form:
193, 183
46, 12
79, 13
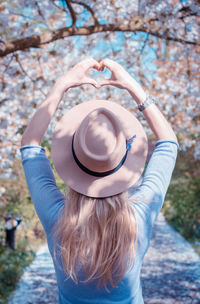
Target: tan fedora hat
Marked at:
99, 148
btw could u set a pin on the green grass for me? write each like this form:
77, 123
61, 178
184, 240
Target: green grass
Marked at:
29, 237
12, 264
182, 202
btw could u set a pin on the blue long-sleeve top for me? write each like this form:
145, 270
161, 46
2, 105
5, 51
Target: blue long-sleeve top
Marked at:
49, 201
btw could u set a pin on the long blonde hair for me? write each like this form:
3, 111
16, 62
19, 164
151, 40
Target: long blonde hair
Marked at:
98, 233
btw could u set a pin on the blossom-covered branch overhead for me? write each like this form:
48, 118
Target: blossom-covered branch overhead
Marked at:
158, 26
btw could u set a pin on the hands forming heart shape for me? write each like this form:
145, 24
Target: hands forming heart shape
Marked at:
78, 75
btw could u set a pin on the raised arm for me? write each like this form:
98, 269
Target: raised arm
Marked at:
123, 80
151, 193
39, 123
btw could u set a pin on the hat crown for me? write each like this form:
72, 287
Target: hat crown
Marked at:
68, 139
99, 142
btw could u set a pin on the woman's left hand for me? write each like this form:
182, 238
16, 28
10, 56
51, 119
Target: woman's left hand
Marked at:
78, 75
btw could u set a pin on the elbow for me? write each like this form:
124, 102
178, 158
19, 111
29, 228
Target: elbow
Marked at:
176, 139
24, 139
23, 142
30, 141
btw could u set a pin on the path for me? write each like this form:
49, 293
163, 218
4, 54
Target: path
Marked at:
170, 273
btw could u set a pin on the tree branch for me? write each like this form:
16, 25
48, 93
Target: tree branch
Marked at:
72, 12
57, 6
96, 22
3, 83
21, 67
39, 11
136, 25
186, 11
21, 15
143, 46
7, 65
2, 101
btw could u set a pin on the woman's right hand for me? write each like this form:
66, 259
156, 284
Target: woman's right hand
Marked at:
119, 77
122, 79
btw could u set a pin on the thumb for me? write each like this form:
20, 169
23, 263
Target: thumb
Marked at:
93, 82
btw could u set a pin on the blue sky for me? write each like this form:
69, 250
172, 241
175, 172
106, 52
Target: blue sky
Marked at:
105, 46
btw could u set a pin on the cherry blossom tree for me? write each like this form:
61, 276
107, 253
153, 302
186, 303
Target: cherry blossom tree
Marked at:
156, 41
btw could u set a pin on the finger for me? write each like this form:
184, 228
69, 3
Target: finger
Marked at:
101, 66
92, 82
108, 63
91, 63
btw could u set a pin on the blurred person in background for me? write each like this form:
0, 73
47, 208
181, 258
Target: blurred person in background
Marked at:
11, 224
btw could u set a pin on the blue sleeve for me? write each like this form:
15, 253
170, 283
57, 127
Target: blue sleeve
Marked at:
151, 193
46, 196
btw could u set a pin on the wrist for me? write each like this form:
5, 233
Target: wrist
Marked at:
148, 101
137, 92
62, 86
57, 92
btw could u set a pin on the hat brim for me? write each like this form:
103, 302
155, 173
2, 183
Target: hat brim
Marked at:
78, 180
